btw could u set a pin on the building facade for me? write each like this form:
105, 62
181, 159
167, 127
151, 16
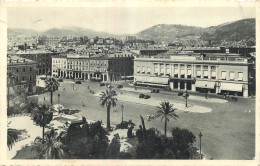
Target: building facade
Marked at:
21, 76
215, 74
106, 67
42, 57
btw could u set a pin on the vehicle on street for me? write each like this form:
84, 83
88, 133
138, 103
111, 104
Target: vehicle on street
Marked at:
141, 96
147, 97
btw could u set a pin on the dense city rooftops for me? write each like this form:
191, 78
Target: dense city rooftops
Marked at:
18, 60
38, 51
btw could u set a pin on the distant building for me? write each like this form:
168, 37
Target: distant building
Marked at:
130, 38
203, 50
216, 73
42, 57
104, 67
23, 76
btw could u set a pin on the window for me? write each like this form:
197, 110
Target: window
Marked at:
223, 75
205, 74
198, 73
189, 66
138, 69
198, 67
175, 71
17, 70
143, 69
148, 70
182, 66
23, 78
30, 68
213, 74
231, 75
240, 76
213, 67
189, 73
161, 68
30, 77
156, 68
175, 65
168, 70
205, 67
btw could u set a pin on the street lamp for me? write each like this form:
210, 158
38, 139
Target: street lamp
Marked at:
200, 135
206, 92
122, 108
186, 97
59, 102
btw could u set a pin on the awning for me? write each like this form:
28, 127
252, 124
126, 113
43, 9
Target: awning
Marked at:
231, 87
151, 79
205, 84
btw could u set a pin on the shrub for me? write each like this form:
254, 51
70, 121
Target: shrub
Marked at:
125, 125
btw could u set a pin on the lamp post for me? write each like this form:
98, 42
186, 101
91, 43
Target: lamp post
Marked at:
200, 135
122, 108
206, 92
59, 102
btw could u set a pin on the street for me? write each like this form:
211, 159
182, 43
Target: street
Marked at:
228, 132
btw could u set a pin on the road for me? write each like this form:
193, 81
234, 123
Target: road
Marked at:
228, 133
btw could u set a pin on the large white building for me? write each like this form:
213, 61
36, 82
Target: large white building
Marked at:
216, 73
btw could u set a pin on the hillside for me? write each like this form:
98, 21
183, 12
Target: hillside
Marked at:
75, 31
233, 33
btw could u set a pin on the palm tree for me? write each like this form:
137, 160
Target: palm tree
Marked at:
166, 111
51, 84
42, 115
51, 149
108, 99
12, 136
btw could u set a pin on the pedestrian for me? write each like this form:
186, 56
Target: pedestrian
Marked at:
44, 98
249, 112
38, 82
225, 95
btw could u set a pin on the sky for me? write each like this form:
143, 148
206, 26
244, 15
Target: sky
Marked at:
126, 20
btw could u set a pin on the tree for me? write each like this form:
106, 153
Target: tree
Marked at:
12, 136
183, 141
166, 111
51, 84
114, 147
42, 115
108, 99
86, 142
52, 147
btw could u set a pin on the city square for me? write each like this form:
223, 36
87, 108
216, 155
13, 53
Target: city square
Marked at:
228, 131
168, 89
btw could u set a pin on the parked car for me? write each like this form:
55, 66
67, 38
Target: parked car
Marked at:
141, 96
78, 82
102, 84
147, 97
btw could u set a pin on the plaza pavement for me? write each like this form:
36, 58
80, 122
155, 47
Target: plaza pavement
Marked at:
228, 133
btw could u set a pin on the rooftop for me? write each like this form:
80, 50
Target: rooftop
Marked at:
16, 59
38, 51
